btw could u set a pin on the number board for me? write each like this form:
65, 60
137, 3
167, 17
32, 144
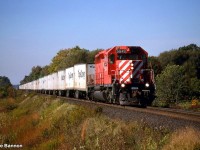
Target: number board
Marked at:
119, 51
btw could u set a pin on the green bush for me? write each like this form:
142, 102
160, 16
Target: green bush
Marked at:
170, 84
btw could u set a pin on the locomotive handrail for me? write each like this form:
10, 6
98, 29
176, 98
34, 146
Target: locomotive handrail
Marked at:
114, 73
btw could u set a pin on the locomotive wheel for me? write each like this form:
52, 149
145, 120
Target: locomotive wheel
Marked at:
143, 102
109, 97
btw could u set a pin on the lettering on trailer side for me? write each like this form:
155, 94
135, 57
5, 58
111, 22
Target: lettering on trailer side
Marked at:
81, 74
70, 75
63, 77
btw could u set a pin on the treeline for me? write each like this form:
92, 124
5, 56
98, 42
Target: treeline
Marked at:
6, 88
65, 58
177, 74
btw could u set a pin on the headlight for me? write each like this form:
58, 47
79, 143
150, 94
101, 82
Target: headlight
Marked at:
132, 64
123, 85
147, 84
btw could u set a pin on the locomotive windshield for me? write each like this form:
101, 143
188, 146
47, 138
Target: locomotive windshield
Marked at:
127, 57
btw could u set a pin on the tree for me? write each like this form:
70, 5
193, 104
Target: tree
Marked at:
4, 86
44, 71
69, 57
4, 81
170, 84
166, 58
154, 63
91, 55
35, 73
187, 56
194, 88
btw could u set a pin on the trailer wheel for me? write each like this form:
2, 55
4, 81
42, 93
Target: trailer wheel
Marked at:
92, 97
67, 93
77, 94
88, 96
60, 93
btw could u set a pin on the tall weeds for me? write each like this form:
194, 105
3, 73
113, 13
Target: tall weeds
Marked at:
43, 122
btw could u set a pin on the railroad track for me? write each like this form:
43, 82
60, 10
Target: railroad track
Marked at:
176, 113
156, 117
191, 115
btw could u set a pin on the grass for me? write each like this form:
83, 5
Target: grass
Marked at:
187, 139
44, 122
184, 104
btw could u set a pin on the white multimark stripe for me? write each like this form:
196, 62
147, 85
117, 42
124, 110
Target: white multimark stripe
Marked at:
125, 70
136, 70
125, 75
125, 67
121, 63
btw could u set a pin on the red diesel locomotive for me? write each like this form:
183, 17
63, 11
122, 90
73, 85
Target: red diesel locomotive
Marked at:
122, 76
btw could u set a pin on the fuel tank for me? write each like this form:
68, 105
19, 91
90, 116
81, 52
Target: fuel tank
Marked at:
99, 95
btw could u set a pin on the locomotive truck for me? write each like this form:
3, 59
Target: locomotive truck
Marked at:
119, 75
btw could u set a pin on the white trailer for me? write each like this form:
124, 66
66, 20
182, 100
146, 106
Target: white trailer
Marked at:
55, 80
37, 84
69, 75
34, 85
29, 86
61, 80
41, 84
69, 81
83, 78
25, 86
45, 83
50, 82
21, 87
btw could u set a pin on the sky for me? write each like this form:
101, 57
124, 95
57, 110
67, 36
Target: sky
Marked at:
33, 31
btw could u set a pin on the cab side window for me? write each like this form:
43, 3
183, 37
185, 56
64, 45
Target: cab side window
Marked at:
111, 59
